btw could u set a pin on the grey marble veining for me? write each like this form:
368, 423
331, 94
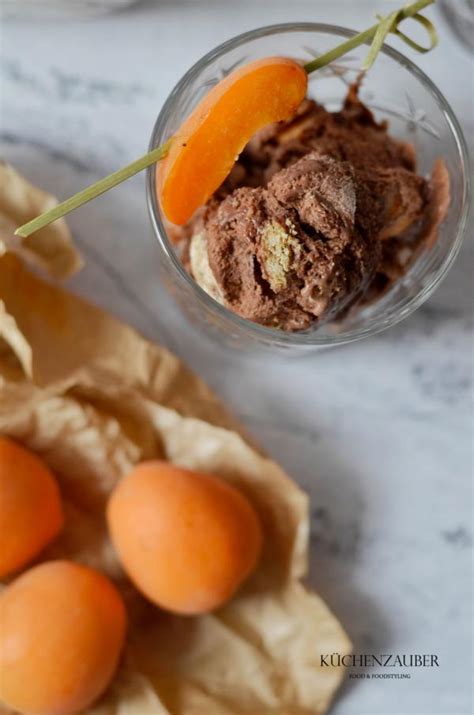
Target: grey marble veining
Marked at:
378, 432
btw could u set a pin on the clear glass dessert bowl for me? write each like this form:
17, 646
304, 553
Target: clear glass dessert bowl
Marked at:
395, 89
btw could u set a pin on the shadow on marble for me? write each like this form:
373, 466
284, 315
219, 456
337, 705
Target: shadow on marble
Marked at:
339, 539
338, 548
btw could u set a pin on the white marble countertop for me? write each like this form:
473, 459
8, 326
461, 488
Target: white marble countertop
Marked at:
378, 432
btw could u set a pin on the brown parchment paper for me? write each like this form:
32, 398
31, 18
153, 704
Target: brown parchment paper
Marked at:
51, 248
92, 397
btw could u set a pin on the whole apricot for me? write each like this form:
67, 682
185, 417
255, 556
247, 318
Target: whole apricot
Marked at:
31, 513
62, 630
186, 539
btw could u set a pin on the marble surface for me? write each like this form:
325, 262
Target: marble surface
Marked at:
379, 432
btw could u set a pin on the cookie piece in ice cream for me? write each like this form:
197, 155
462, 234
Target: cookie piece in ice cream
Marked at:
200, 268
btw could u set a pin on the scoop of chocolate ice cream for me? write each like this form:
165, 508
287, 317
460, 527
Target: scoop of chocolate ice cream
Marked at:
352, 134
291, 254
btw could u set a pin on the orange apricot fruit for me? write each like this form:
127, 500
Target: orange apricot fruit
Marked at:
62, 629
187, 540
31, 513
205, 147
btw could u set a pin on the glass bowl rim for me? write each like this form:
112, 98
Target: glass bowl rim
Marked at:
303, 339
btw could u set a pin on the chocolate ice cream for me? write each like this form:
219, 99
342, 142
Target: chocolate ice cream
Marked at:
318, 213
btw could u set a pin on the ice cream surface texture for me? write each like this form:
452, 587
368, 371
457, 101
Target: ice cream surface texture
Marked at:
319, 213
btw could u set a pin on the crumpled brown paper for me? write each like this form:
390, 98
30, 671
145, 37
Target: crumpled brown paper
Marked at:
92, 398
51, 248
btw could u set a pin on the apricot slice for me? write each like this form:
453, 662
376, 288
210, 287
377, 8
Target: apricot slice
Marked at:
62, 630
31, 512
186, 539
204, 149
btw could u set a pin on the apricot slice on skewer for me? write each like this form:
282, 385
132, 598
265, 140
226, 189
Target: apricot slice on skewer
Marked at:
204, 149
